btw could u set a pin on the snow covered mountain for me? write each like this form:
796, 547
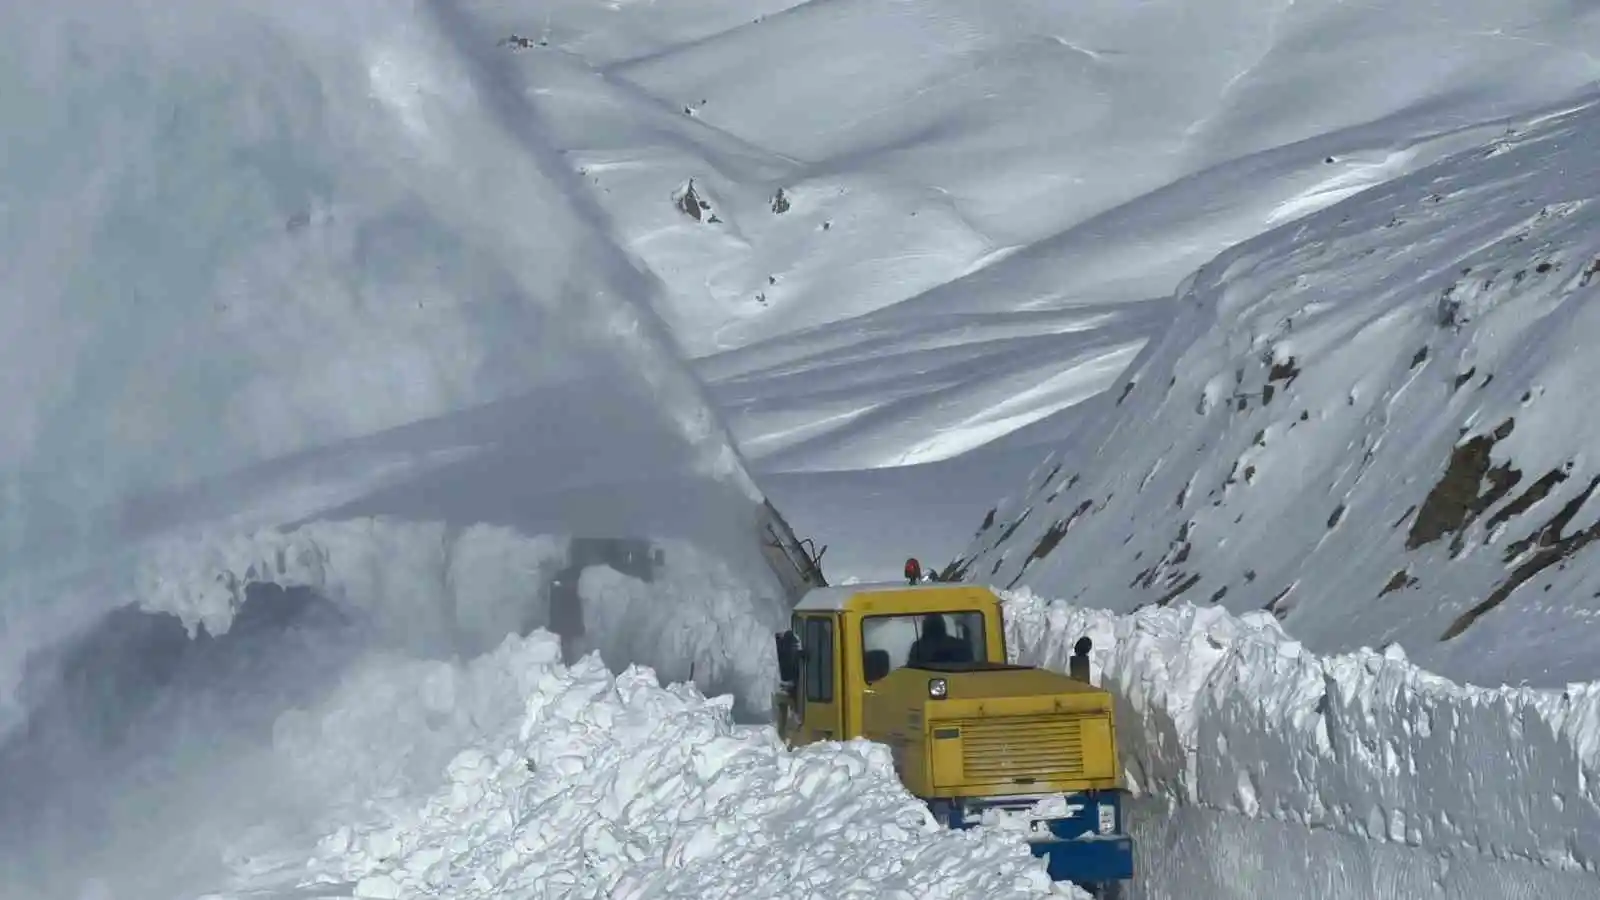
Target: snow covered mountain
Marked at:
1371, 422
936, 229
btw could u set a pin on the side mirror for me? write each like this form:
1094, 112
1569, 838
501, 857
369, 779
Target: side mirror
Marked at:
1078, 666
788, 657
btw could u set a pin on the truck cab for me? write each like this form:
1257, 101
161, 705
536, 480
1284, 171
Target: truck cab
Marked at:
922, 669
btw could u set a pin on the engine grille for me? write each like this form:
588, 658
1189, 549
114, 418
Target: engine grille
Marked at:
1005, 750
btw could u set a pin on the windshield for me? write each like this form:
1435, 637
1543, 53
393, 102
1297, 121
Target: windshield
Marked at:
892, 642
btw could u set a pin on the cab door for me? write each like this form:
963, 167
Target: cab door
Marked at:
821, 706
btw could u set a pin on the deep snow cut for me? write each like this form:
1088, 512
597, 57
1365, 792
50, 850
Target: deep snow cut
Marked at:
315, 675
1234, 720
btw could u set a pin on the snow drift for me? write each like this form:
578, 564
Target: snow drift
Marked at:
1370, 421
613, 786
1398, 782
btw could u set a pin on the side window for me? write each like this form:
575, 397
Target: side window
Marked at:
819, 660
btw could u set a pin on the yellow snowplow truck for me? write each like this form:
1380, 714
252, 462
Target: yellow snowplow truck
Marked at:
923, 670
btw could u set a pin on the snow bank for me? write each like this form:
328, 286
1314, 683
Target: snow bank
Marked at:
1228, 714
613, 786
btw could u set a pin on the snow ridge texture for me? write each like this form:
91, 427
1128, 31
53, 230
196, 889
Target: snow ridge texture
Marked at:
1228, 713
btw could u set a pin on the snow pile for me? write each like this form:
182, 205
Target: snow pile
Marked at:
613, 786
1371, 422
1227, 713
378, 739
393, 722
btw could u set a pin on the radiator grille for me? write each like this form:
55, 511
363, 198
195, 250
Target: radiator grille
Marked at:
994, 750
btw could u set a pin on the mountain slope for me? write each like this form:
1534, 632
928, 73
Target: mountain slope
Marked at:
1371, 421
954, 176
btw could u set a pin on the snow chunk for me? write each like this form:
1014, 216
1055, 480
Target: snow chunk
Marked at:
613, 786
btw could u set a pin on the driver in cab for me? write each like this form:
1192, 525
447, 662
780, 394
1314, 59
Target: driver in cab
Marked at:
936, 645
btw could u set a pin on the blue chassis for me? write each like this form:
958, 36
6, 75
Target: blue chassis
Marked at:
1085, 861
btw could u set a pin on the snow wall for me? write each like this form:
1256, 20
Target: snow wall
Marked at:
1266, 770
